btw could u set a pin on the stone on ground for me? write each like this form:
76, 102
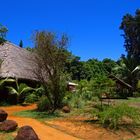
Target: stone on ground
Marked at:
66, 109
8, 125
26, 133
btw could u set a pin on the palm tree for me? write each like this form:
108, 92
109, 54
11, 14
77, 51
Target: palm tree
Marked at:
127, 70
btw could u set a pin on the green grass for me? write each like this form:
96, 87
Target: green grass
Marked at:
129, 100
6, 136
137, 99
37, 115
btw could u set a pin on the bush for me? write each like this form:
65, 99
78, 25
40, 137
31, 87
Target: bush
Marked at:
43, 104
114, 115
74, 100
4, 103
31, 98
136, 94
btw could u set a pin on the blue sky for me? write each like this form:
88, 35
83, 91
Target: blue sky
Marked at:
92, 25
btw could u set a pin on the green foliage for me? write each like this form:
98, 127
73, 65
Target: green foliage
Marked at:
6, 136
136, 94
21, 88
80, 70
90, 91
138, 84
43, 104
31, 98
87, 70
50, 61
75, 68
4, 103
109, 65
127, 70
20, 91
113, 116
4, 81
21, 44
131, 27
3, 31
30, 49
37, 115
39, 91
34, 96
76, 101
101, 85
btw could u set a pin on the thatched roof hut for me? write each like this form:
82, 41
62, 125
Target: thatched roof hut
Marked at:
16, 62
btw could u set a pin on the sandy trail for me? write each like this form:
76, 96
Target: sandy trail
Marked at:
43, 131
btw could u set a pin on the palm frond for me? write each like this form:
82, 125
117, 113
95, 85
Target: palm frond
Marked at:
12, 90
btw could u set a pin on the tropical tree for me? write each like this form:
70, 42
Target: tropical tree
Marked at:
50, 60
102, 86
127, 70
3, 31
131, 26
109, 65
76, 68
21, 44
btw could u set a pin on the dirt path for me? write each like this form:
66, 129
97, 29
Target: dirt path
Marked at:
43, 131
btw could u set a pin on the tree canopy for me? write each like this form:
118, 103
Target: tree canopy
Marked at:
131, 26
50, 60
3, 31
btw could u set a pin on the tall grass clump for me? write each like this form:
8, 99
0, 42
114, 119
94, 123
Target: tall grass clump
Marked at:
43, 104
113, 116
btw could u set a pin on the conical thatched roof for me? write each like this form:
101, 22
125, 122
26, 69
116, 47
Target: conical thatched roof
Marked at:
16, 62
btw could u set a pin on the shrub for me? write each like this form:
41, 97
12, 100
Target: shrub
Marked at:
114, 115
43, 104
31, 98
4, 103
75, 100
136, 94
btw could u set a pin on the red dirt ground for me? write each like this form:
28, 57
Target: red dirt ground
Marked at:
43, 131
87, 131
69, 126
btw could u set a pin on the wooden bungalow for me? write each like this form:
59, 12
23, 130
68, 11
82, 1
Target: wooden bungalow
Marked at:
122, 87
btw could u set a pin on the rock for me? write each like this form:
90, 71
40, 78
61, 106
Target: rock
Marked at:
8, 125
26, 133
3, 115
66, 109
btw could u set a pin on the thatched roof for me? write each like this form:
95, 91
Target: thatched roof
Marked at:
121, 82
16, 62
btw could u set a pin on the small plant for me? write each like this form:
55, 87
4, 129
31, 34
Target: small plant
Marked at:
113, 116
43, 104
31, 98
19, 91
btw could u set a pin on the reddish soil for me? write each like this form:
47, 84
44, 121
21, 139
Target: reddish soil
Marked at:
70, 127
43, 131
77, 126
